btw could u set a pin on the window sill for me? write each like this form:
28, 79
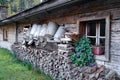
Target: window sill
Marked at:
101, 57
5, 39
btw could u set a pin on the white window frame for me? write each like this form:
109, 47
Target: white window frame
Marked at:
97, 36
104, 57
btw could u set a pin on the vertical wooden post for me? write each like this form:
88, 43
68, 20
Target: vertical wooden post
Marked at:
16, 36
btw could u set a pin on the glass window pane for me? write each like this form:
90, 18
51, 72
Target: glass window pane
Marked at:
102, 41
93, 41
102, 28
91, 28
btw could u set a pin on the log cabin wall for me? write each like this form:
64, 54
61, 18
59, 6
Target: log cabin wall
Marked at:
71, 23
10, 31
69, 17
20, 31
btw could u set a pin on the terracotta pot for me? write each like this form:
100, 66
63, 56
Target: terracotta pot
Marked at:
98, 50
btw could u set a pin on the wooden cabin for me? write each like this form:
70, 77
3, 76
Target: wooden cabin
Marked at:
99, 20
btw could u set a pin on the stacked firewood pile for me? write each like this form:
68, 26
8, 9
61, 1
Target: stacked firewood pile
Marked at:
98, 73
57, 64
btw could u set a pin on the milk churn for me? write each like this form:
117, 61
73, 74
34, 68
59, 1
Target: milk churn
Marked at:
60, 32
37, 32
43, 30
33, 30
52, 28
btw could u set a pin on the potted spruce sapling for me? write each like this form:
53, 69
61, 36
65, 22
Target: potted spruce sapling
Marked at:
83, 55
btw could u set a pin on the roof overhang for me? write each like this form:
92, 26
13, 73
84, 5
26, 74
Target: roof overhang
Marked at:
41, 9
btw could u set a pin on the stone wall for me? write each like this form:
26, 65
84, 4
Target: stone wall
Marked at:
5, 44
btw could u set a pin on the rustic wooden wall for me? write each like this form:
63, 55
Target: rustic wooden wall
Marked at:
71, 15
20, 31
11, 36
114, 14
0, 33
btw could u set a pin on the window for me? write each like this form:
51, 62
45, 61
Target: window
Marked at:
5, 35
97, 30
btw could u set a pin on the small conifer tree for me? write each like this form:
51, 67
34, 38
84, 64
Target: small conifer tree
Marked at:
83, 55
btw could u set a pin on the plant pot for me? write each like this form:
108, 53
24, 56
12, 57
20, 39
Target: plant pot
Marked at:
98, 50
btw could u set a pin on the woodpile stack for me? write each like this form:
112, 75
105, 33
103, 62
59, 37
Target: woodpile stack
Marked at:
57, 64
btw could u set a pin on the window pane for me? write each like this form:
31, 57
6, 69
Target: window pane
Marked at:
102, 28
93, 41
91, 28
5, 35
102, 42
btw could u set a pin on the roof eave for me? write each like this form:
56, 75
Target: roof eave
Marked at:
38, 9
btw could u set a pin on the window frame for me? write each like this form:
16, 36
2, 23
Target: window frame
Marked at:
104, 57
97, 36
5, 34
0, 30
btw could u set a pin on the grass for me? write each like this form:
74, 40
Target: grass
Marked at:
13, 69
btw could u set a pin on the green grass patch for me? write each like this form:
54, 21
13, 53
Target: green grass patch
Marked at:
13, 69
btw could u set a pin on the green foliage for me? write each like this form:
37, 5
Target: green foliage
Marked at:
15, 6
13, 69
3, 2
83, 55
21, 5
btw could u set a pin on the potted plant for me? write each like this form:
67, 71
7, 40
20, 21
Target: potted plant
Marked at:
83, 55
98, 50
